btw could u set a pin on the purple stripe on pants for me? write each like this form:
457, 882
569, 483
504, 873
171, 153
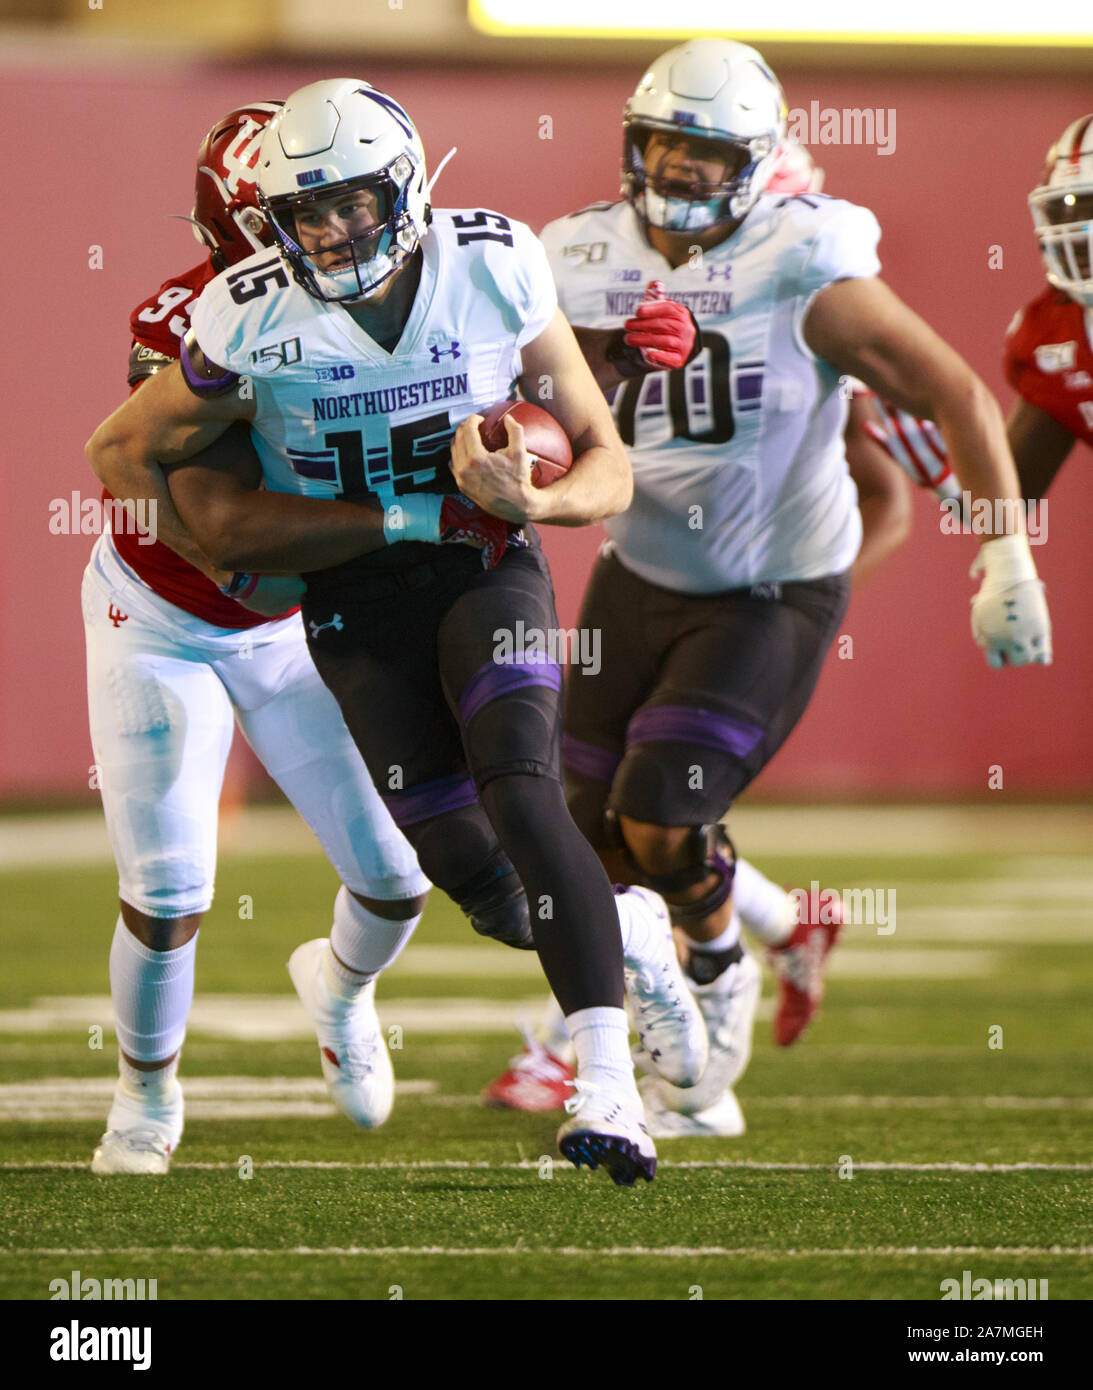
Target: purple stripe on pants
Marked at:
430, 799
588, 760
501, 678
689, 724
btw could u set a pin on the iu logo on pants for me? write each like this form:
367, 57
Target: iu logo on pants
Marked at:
116, 616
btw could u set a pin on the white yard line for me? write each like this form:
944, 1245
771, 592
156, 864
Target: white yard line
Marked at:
1061, 832
610, 1252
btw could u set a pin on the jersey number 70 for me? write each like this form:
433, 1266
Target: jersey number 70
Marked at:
697, 401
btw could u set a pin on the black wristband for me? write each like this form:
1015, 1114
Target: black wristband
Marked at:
627, 359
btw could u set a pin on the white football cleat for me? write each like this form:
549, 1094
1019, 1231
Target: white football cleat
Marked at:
355, 1060
608, 1127
141, 1134
668, 1021
728, 1005
722, 1120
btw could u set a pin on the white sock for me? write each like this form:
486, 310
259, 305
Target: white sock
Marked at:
152, 993
149, 1084
638, 926
364, 943
766, 910
601, 1038
725, 942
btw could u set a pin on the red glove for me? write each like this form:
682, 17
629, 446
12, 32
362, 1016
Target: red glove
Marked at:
463, 522
662, 336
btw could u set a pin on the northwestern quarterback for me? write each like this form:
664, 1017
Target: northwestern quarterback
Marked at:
721, 588
362, 352
172, 665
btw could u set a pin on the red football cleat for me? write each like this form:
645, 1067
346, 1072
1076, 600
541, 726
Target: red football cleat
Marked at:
537, 1080
799, 965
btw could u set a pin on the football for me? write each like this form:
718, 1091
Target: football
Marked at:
546, 441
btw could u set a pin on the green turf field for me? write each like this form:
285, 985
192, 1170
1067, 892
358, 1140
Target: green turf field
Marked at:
893, 1148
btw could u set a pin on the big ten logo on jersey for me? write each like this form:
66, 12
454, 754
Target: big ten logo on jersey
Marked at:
275, 355
173, 297
702, 402
240, 159
625, 277
586, 252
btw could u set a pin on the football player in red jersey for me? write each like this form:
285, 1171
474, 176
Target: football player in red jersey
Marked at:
1049, 344
173, 662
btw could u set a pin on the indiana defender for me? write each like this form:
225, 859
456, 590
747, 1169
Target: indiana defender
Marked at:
377, 328
172, 665
1049, 344
722, 586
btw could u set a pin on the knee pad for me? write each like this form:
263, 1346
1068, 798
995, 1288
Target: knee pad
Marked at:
708, 850
493, 896
494, 901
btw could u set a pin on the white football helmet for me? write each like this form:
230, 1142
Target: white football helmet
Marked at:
336, 138
710, 89
1062, 212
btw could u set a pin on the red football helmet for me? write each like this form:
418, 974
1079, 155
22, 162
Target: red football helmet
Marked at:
226, 214
794, 170
1062, 212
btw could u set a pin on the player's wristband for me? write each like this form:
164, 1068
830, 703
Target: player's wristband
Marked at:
626, 359
240, 586
415, 517
1004, 561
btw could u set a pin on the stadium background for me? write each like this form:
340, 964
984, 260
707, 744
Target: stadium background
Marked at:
102, 124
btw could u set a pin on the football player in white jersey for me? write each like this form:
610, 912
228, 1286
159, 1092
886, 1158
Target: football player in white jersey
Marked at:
721, 588
884, 447
368, 346
172, 666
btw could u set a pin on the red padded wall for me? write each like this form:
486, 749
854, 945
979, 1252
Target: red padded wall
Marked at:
108, 155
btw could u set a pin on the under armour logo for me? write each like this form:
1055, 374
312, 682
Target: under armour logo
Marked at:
116, 616
335, 622
439, 352
712, 273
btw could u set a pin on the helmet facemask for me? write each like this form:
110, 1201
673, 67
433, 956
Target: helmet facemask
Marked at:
352, 269
1063, 218
686, 205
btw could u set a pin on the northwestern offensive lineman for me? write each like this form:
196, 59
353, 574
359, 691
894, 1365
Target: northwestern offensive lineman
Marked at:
720, 590
171, 665
376, 330
882, 445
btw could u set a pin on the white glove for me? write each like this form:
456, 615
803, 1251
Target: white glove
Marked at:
1010, 620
